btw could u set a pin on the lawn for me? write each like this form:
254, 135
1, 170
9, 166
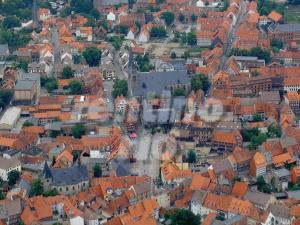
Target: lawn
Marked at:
292, 14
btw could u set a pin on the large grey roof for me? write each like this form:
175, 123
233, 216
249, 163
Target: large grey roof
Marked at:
69, 176
24, 85
279, 211
288, 27
258, 198
156, 82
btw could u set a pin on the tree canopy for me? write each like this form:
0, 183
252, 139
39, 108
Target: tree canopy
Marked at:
184, 217
92, 55
200, 81
168, 17
191, 157
36, 188
120, 87
143, 63
67, 72
97, 170
192, 38
158, 32
76, 87
20, 8
179, 92
13, 176
77, 131
5, 97
50, 83
256, 51
82, 6
11, 21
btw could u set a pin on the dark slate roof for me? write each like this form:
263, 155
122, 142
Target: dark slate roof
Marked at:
288, 27
69, 176
156, 82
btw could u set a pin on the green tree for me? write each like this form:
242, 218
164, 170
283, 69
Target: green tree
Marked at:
120, 87
191, 157
5, 97
193, 18
257, 117
143, 63
92, 56
158, 32
77, 59
36, 188
274, 131
23, 64
179, 92
97, 170
51, 192
55, 133
258, 140
192, 38
122, 29
27, 124
67, 73
95, 13
117, 41
181, 18
90, 23
173, 55
75, 87
66, 12
82, 6
2, 195
13, 176
51, 84
277, 43
200, 81
21, 222
77, 131
168, 17
184, 217
11, 21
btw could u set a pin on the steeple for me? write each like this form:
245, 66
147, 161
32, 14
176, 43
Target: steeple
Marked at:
46, 171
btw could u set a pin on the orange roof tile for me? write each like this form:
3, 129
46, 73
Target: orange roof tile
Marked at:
34, 129
282, 159
199, 182
239, 189
275, 16
259, 160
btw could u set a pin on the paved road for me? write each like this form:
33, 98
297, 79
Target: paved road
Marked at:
108, 87
232, 36
55, 41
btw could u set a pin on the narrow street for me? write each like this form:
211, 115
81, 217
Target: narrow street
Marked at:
55, 41
232, 36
